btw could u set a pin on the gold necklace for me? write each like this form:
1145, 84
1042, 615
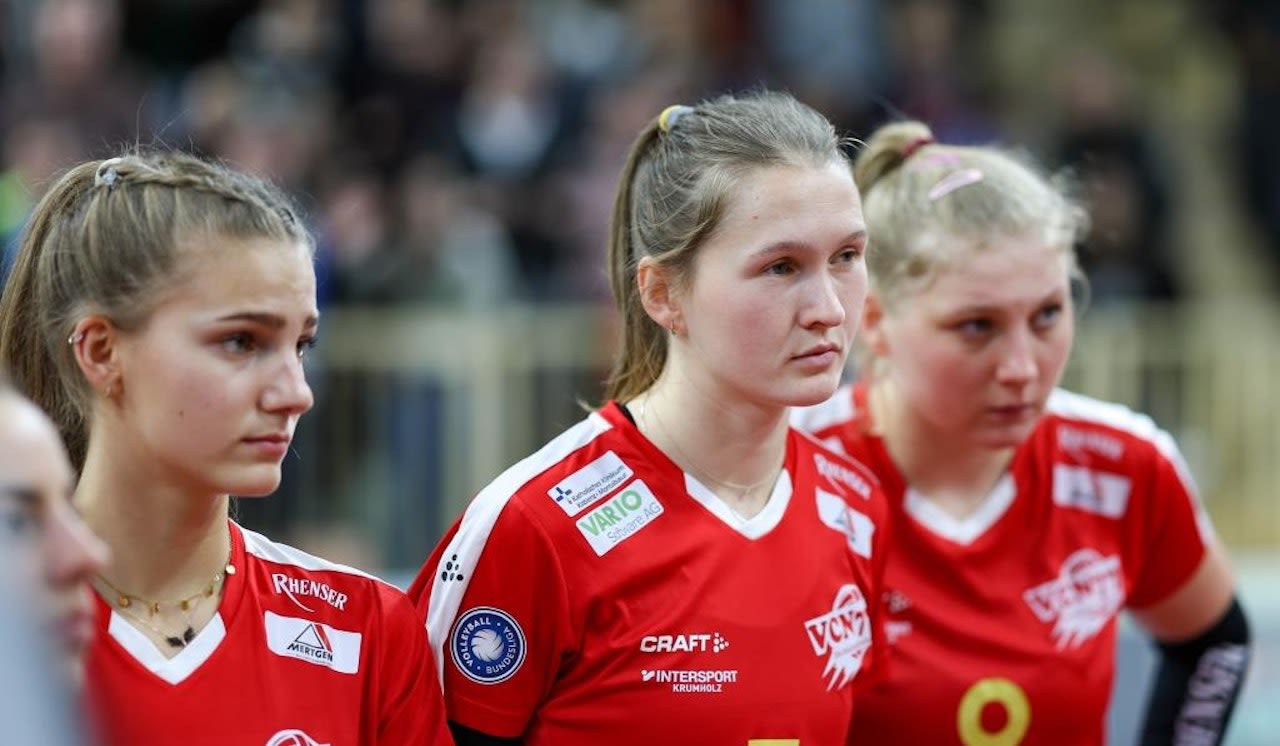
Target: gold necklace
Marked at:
743, 490
125, 602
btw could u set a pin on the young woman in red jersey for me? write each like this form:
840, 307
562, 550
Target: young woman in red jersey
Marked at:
159, 309
681, 567
1026, 517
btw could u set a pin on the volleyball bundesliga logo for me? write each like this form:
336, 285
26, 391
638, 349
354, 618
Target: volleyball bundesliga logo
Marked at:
488, 645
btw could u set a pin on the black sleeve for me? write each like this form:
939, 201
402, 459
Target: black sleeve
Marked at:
1197, 683
464, 736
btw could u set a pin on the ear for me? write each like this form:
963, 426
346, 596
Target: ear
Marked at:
873, 323
658, 294
95, 343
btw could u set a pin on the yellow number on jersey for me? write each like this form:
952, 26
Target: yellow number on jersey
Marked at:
986, 691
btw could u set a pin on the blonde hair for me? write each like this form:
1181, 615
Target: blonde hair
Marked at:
921, 198
673, 192
106, 239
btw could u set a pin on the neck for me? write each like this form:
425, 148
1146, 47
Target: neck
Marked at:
166, 542
735, 449
941, 466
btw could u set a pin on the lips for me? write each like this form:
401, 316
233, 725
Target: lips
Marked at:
818, 350
281, 438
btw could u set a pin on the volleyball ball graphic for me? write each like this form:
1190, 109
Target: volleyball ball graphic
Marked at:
486, 645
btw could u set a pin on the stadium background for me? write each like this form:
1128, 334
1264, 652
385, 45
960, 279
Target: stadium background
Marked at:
457, 161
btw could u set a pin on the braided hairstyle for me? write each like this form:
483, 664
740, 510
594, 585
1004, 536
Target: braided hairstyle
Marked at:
107, 239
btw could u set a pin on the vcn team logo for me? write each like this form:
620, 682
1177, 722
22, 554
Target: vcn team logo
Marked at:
488, 645
1086, 595
843, 634
293, 737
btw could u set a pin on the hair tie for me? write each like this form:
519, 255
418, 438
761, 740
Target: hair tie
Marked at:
915, 145
107, 175
670, 115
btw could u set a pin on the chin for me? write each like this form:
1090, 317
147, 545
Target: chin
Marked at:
255, 482
813, 392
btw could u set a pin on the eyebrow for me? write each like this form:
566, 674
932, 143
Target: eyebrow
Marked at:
1055, 295
268, 319
781, 247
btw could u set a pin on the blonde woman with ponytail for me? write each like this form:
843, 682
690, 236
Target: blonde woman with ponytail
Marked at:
159, 309
1026, 517
681, 567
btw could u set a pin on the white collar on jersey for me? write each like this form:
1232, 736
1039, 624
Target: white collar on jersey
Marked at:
962, 530
754, 527
174, 670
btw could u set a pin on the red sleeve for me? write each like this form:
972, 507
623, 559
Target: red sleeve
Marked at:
500, 620
883, 545
410, 706
1170, 533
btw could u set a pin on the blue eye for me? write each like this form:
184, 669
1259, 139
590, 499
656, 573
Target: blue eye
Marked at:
782, 268
1048, 315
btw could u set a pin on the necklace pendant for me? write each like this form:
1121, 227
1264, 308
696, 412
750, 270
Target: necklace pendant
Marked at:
176, 642
188, 635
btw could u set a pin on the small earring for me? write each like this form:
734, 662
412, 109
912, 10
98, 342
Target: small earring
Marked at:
75, 338
673, 328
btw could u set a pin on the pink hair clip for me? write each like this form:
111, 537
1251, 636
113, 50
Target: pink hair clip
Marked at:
954, 181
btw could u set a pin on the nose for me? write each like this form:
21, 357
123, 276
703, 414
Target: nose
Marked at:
824, 304
288, 391
1018, 365
73, 553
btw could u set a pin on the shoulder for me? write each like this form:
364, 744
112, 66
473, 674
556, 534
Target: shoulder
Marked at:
834, 467
314, 583
1080, 424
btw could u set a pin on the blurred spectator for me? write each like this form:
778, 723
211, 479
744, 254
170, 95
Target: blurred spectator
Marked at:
1253, 27
941, 70
1123, 181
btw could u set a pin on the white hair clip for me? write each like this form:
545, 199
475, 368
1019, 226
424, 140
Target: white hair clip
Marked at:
107, 175
954, 181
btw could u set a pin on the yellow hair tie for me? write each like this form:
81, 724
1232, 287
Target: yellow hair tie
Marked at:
667, 119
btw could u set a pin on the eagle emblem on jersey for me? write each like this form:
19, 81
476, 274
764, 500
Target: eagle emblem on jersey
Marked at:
1082, 600
843, 635
293, 737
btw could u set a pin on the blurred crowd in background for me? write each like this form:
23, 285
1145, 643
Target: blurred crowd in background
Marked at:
463, 153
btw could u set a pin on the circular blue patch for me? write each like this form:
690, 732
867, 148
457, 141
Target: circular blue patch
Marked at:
487, 645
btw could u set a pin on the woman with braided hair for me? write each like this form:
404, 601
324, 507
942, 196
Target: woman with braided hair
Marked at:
159, 309
680, 567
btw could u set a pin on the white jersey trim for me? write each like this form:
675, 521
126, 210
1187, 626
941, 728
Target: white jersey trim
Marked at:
283, 554
965, 530
174, 670
477, 523
836, 410
757, 525
1070, 405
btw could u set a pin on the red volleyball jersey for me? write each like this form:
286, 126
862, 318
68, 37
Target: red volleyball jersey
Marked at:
1002, 625
301, 652
597, 594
